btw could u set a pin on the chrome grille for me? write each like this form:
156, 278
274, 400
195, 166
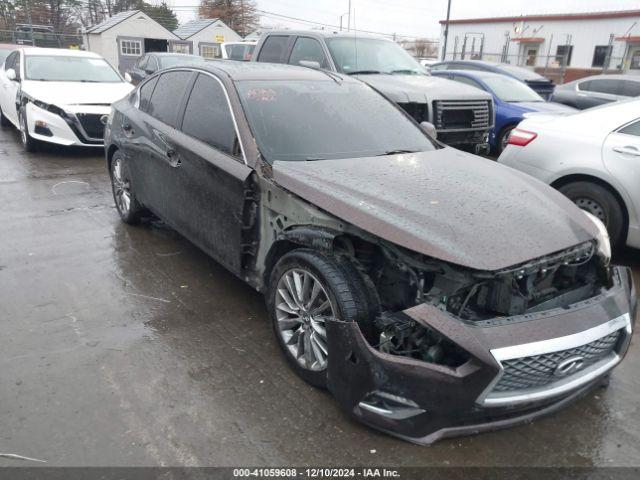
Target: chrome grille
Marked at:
462, 114
539, 370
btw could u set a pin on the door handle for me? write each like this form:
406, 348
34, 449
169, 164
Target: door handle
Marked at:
174, 158
628, 150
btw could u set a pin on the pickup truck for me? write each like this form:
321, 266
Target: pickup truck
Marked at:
462, 115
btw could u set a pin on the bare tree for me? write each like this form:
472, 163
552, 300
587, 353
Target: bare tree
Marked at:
240, 15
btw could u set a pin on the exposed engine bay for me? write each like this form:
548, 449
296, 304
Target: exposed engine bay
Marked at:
402, 279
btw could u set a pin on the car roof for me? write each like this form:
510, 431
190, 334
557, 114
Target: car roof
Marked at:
59, 52
324, 34
613, 76
239, 71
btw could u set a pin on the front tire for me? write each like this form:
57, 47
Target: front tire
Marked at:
600, 202
305, 288
28, 143
128, 207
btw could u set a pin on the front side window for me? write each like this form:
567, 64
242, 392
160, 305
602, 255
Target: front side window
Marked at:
145, 94
322, 119
168, 61
273, 49
69, 69
563, 54
371, 55
632, 129
131, 47
8, 64
207, 116
307, 49
602, 85
167, 96
181, 48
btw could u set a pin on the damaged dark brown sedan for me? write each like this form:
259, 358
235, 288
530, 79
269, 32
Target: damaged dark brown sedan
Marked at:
432, 292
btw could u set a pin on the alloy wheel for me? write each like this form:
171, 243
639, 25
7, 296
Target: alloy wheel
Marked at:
302, 307
121, 187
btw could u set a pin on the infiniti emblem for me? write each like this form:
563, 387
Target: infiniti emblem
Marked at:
569, 366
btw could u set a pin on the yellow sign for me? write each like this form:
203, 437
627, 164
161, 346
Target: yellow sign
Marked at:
219, 38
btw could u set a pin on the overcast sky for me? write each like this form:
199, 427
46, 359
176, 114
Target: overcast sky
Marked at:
407, 17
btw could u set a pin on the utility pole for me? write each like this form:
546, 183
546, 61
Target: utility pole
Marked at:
349, 17
30, 22
446, 30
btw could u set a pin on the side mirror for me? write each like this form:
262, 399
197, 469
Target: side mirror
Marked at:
310, 64
430, 129
127, 77
11, 75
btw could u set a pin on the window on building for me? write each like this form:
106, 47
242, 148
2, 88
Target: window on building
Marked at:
563, 54
632, 129
166, 97
600, 55
307, 49
181, 48
131, 47
207, 116
210, 51
274, 48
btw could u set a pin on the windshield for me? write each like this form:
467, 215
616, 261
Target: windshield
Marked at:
318, 120
509, 89
371, 55
69, 69
172, 61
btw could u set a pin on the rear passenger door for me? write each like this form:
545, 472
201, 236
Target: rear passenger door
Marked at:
275, 49
211, 175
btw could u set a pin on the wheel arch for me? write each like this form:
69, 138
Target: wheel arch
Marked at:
110, 153
582, 177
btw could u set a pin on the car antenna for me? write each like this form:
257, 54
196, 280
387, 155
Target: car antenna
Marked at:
355, 37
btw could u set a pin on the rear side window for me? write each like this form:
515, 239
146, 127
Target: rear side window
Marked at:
632, 129
274, 48
145, 93
630, 88
307, 49
604, 85
167, 96
208, 118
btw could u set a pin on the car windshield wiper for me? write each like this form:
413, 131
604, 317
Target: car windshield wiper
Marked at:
368, 72
396, 152
411, 72
90, 81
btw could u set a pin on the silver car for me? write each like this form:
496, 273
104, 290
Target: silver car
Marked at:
597, 90
593, 157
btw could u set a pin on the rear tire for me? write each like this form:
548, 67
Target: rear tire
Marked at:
503, 138
299, 330
129, 209
600, 202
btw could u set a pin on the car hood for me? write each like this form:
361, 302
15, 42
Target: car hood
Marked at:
422, 88
544, 107
445, 204
76, 93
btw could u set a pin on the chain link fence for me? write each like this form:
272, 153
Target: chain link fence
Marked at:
41, 37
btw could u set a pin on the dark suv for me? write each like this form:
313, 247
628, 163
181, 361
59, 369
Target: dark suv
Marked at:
432, 292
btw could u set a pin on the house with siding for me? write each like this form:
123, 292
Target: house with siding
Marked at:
204, 37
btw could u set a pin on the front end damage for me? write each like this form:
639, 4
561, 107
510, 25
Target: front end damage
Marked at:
453, 351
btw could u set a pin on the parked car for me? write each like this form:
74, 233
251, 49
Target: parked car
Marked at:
461, 115
543, 86
58, 96
240, 51
597, 90
150, 63
512, 99
592, 157
5, 50
434, 293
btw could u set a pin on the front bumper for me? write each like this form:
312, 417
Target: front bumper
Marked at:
423, 402
69, 130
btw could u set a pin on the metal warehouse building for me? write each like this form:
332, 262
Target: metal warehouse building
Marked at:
564, 46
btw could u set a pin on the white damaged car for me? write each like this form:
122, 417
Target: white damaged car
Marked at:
58, 96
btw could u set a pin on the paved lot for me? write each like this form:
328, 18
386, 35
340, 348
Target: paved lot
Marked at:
128, 346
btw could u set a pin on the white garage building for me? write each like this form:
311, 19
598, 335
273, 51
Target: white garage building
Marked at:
123, 38
576, 44
203, 37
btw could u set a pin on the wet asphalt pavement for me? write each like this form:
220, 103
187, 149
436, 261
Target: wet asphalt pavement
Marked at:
128, 346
